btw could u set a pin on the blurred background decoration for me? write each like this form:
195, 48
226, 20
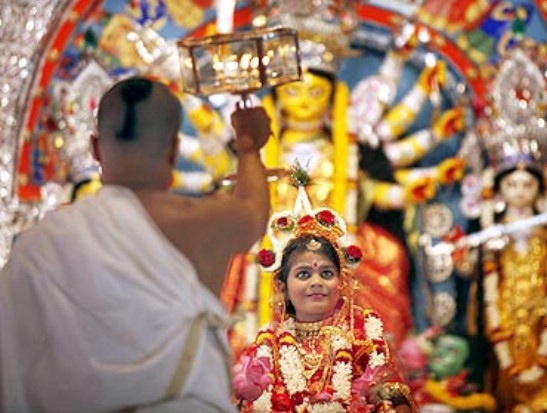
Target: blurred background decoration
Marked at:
427, 98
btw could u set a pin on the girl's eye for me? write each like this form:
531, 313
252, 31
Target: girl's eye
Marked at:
302, 275
328, 274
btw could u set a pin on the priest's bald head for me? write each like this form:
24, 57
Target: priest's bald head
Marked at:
138, 124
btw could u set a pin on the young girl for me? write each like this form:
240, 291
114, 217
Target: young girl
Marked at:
321, 353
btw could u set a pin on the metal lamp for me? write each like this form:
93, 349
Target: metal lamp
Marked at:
239, 63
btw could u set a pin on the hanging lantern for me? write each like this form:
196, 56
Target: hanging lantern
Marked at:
239, 63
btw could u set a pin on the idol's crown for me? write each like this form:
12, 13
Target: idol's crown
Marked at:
514, 129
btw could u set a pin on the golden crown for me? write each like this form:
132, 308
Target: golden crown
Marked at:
513, 128
324, 28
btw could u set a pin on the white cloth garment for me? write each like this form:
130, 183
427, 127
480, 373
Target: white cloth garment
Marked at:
95, 308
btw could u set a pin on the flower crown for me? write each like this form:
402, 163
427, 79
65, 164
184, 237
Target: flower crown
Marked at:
322, 222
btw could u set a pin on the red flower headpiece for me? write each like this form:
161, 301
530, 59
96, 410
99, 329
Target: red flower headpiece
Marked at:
322, 222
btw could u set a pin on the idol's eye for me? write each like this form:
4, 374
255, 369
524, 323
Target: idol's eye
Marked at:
316, 92
291, 91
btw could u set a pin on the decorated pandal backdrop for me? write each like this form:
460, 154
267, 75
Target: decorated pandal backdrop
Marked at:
421, 122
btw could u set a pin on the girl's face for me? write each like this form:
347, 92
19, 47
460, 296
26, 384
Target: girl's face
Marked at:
313, 285
519, 189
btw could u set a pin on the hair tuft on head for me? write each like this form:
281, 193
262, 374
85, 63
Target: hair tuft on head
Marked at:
133, 91
136, 90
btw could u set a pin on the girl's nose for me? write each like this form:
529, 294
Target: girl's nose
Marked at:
316, 279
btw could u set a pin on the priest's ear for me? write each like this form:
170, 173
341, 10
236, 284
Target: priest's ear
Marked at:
94, 141
174, 150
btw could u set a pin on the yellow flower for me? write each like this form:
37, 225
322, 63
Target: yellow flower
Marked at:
450, 170
343, 355
287, 339
420, 189
266, 335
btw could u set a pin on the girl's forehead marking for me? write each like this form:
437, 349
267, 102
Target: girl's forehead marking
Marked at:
312, 260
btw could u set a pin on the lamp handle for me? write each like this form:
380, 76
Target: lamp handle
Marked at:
246, 102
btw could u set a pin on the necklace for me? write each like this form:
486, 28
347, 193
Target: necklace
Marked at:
311, 349
307, 331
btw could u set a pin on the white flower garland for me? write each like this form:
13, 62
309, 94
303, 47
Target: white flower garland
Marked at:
341, 381
340, 343
265, 351
292, 369
377, 359
264, 403
374, 328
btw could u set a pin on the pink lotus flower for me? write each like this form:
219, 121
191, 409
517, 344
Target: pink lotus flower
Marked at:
361, 406
376, 375
359, 402
361, 387
251, 377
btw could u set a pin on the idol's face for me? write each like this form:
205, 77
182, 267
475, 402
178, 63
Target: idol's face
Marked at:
519, 189
313, 285
306, 100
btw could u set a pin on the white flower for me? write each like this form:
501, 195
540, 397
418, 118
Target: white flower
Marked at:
329, 407
374, 327
291, 368
301, 408
264, 351
339, 342
288, 326
341, 380
264, 403
377, 359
